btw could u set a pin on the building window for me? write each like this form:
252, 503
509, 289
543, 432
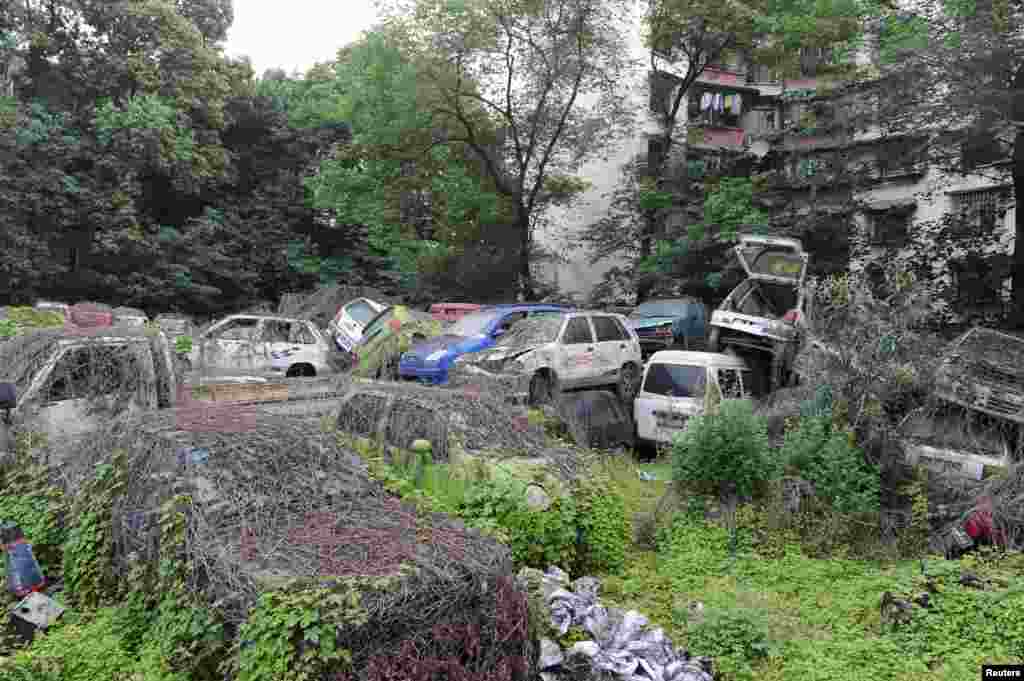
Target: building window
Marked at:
889, 228
982, 210
978, 284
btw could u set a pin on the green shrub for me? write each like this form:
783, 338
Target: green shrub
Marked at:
606, 530
736, 639
828, 457
28, 498
728, 446
538, 538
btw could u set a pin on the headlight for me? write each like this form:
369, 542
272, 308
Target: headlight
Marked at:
436, 355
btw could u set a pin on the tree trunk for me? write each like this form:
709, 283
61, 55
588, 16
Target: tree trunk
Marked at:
526, 289
1017, 115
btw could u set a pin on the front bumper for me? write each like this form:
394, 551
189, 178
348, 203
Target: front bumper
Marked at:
514, 388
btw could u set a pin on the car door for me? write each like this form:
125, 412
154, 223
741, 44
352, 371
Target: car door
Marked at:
229, 347
576, 349
611, 348
274, 337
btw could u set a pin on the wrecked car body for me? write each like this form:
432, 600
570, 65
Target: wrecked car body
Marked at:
765, 314
348, 324
981, 426
261, 345
392, 332
61, 384
558, 351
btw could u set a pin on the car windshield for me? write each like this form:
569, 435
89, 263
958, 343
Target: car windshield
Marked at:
773, 262
675, 380
374, 324
535, 330
662, 308
472, 324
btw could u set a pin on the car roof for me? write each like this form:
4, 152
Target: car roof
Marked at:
527, 306
692, 358
270, 317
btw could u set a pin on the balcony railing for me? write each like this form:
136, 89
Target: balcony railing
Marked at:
714, 136
718, 75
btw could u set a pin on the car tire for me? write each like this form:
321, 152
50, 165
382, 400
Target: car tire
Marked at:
713, 339
542, 390
629, 380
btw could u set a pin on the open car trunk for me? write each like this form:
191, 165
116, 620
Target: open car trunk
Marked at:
773, 260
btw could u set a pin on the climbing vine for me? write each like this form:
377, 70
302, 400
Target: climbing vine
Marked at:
88, 551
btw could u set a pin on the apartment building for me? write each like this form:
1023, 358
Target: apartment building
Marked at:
828, 174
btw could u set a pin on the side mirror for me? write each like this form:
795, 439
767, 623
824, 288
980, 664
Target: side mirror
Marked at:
8, 396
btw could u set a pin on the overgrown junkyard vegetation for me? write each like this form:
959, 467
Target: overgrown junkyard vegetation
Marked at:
146, 169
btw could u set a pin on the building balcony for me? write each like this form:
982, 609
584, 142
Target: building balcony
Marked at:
715, 137
728, 78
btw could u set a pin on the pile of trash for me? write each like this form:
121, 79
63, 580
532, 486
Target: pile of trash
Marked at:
622, 646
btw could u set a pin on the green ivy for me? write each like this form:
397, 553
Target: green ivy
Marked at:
291, 635
29, 498
735, 638
88, 551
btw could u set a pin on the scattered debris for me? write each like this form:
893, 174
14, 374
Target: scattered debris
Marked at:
34, 613
20, 565
621, 645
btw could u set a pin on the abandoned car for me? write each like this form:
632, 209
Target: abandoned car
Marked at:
559, 351
347, 326
763, 317
261, 345
673, 390
664, 323
429, 360
389, 334
61, 382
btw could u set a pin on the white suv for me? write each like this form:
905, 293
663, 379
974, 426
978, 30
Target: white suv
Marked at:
549, 353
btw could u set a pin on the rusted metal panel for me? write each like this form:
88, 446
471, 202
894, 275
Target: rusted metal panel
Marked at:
984, 370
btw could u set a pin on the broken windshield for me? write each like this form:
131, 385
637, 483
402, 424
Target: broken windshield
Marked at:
535, 330
774, 263
675, 380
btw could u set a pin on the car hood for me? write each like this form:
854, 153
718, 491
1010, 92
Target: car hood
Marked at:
648, 322
443, 342
495, 359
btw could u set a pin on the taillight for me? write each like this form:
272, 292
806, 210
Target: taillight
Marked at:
663, 331
792, 317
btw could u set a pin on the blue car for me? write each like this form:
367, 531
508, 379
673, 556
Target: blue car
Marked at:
429, 361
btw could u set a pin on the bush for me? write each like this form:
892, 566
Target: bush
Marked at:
735, 638
827, 457
730, 446
78, 649
605, 528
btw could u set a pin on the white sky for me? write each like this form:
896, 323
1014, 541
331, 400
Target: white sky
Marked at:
295, 34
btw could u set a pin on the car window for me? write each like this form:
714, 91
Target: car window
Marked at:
750, 384
675, 380
729, 382
237, 329
606, 329
623, 331
360, 311
301, 334
509, 320
93, 371
473, 324
276, 331
376, 325
577, 331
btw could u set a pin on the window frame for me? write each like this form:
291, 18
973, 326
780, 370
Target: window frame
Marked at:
565, 331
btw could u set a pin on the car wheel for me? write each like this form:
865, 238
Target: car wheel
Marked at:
713, 339
628, 383
542, 389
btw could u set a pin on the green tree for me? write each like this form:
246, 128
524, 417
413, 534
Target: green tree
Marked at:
532, 87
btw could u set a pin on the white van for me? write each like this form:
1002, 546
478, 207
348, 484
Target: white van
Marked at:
673, 388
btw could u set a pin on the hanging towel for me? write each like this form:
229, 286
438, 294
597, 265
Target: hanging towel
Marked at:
705, 101
719, 103
737, 105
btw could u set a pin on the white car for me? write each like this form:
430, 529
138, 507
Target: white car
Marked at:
347, 326
259, 344
673, 388
548, 353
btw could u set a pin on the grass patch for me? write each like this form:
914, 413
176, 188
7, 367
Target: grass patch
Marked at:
819, 619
